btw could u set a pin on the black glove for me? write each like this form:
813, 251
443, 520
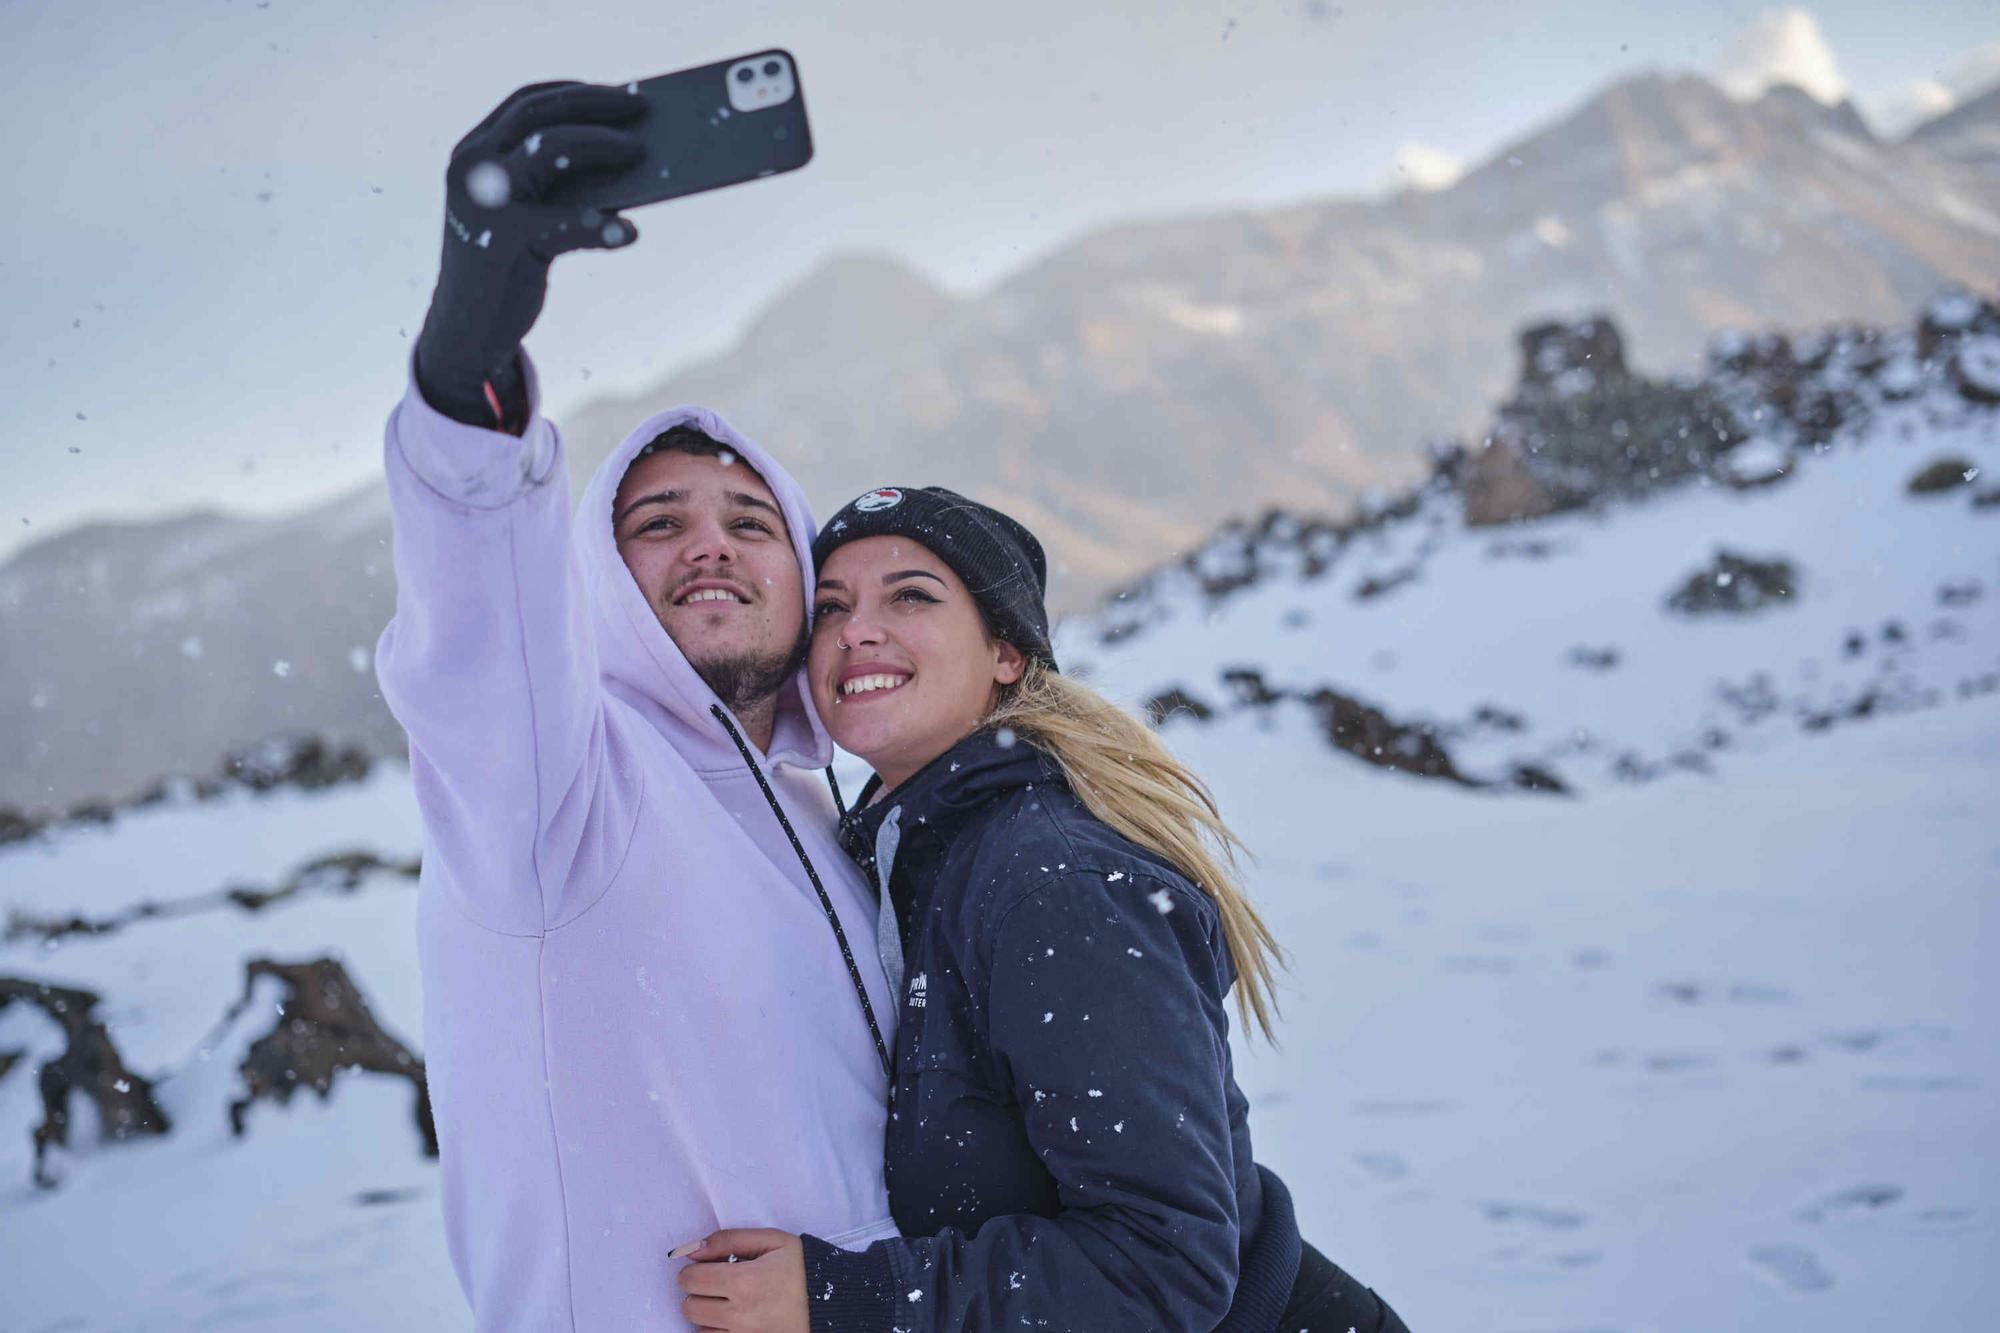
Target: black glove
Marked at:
500, 237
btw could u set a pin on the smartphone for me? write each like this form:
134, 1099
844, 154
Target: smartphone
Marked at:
704, 128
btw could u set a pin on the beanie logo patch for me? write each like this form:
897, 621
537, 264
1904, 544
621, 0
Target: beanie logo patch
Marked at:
888, 497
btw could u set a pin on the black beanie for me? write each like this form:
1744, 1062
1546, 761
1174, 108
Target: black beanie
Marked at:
999, 559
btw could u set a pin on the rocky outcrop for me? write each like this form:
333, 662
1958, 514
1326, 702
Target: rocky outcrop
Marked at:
1173, 703
340, 872
1365, 731
1735, 584
1582, 426
296, 760
1499, 487
89, 1065
323, 1027
1944, 474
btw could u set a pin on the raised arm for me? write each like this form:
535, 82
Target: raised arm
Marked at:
490, 662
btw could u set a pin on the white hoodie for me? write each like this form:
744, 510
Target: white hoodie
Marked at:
638, 1025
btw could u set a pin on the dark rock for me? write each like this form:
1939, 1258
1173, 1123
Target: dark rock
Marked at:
1735, 584
298, 760
18, 825
1952, 318
1375, 585
1525, 548
1175, 701
1496, 718
1582, 426
1960, 594
1533, 777
1498, 487
1369, 734
1945, 474
1572, 357
1986, 497
1593, 659
1247, 684
90, 1064
324, 1026
340, 872
304, 761
1863, 705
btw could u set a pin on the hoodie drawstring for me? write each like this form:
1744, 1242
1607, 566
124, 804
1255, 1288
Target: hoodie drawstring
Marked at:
825, 902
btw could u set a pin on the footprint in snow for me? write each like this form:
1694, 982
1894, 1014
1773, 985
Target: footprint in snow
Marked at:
1382, 1165
1477, 963
1920, 1083
1676, 1062
1521, 1262
1792, 1266
1907, 1039
1850, 1204
1541, 1215
1737, 992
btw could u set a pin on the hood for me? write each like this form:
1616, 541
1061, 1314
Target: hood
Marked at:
639, 661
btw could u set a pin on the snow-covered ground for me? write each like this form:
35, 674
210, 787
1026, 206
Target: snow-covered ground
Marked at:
1711, 1042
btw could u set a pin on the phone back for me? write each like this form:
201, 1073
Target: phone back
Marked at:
704, 128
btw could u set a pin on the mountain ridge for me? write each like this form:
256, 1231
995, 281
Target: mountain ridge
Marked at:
1124, 393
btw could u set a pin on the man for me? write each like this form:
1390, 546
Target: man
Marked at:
643, 1019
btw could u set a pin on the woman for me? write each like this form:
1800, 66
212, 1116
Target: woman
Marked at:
1067, 1146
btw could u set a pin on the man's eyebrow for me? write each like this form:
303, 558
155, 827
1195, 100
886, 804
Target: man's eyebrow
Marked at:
656, 498
753, 502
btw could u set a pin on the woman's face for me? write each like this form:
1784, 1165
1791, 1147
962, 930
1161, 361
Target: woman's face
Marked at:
902, 667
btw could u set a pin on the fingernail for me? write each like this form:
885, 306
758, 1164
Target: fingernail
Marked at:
683, 1251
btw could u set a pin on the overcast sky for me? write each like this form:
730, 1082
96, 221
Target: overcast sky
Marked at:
223, 215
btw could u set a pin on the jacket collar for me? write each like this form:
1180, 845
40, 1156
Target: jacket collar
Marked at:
938, 799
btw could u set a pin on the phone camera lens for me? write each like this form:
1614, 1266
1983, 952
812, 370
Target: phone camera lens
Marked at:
745, 74
771, 68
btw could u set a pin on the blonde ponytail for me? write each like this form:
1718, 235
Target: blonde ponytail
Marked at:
1124, 776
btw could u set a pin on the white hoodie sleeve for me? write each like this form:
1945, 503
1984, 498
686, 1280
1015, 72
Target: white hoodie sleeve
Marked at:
490, 665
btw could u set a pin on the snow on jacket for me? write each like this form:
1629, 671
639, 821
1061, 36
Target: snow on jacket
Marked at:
638, 1025
1067, 1149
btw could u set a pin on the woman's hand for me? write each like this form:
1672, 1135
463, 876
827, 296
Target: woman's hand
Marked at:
748, 1280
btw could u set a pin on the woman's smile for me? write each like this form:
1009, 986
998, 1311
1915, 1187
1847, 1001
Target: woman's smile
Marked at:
870, 680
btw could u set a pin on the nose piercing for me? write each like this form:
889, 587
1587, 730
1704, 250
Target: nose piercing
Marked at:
840, 643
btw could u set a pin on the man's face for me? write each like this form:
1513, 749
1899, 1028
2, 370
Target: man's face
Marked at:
707, 545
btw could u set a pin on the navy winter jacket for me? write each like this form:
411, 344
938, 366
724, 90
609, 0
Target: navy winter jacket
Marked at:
1067, 1147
